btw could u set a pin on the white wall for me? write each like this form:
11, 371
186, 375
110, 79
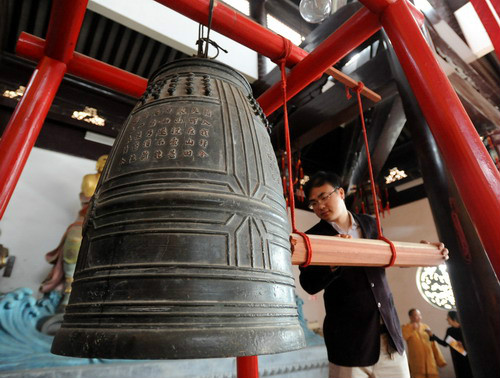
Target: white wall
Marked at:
45, 202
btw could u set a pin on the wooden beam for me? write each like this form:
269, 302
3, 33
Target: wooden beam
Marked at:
465, 90
388, 136
335, 251
384, 126
351, 83
466, 71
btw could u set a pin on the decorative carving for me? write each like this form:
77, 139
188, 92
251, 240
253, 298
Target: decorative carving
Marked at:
22, 345
434, 285
312, 338
257, 110
189, 137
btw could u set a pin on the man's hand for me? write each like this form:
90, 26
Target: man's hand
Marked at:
444, 251
429, 332
344, 236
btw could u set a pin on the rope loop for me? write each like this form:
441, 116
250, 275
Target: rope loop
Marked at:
309, 251
285, 54
347, 93
359, 88
393, 250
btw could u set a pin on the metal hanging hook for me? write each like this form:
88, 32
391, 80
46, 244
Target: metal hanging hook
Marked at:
202, 40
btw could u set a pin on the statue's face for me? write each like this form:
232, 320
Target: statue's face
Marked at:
101, 162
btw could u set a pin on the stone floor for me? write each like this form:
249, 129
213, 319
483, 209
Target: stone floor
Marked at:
310, 362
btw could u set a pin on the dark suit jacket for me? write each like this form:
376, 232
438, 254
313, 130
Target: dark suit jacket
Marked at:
355, 299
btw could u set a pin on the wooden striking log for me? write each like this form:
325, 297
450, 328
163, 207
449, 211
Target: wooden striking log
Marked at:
330, 250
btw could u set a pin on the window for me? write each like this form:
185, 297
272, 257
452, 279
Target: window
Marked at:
434, 285
240, 5
280, 28
273, 23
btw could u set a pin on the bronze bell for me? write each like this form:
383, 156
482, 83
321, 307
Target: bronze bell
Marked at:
186, 250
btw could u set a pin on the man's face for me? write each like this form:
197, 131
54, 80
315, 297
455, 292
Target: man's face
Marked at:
328, 202
449, 320
452, 322
416, 316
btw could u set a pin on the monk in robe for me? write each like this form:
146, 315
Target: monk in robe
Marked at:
424, 357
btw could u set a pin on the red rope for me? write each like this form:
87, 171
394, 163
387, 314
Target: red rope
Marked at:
281, 61
387, 205
359, 88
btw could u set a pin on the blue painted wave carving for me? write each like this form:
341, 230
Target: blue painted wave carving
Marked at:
22, 346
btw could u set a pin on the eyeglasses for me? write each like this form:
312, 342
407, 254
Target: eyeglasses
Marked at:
320, 200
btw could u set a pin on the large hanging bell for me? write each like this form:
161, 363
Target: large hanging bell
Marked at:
186, 250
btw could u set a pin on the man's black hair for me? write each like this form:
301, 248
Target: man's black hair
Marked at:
321, 178
453, 315
411, 311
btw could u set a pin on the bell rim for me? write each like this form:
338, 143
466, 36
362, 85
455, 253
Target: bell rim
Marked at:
175, 345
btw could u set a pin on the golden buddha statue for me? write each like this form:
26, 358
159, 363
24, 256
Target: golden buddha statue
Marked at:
64, 257
89, 182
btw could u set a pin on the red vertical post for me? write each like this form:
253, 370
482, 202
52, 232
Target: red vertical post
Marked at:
466, 157
25, 124
490, 23
247, 367
494, 145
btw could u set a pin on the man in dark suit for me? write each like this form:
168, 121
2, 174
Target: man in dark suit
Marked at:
361, 327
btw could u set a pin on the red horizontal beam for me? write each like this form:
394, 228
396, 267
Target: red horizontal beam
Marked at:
239, 28
377, 6
346, 38
32, 47
25, 124
236, 26
242, 29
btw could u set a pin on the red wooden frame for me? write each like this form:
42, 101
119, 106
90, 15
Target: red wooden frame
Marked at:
474, 172
487, 17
